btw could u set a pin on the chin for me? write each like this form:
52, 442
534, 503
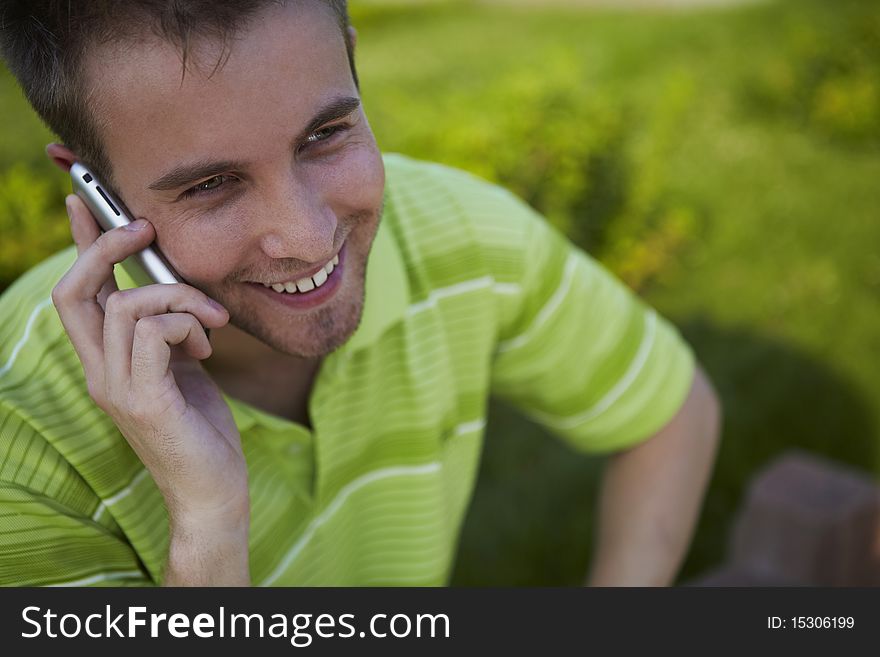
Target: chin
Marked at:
316, 336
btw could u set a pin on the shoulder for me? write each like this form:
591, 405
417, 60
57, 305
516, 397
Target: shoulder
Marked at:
437, 193
27, 315
445, 218
45, 411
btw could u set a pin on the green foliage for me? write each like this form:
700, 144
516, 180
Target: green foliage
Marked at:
653, 226
22, 135
827, 73
532, 130
590, 162
32, 220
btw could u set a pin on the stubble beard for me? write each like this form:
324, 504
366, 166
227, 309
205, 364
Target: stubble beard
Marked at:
314, 335
327, 328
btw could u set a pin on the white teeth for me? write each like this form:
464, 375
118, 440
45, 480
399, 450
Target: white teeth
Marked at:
307, 284
319, 277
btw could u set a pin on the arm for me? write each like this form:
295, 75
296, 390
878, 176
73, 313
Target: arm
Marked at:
581, 355
209, 552
140, 350
651, 496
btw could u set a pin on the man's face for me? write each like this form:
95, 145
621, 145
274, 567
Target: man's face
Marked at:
259, 173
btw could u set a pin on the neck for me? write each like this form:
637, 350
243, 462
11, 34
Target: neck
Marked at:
250, 370
233, 350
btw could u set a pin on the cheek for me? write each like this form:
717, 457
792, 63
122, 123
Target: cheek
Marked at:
360, 183
203, 257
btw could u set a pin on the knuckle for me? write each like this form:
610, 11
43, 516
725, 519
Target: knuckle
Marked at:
188, 327
175, 293
102, 246
148, 327
116, 302
145, 326
59, 293
199, 295
188, 294
109, 247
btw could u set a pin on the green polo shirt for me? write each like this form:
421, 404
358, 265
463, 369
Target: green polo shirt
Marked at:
469, 293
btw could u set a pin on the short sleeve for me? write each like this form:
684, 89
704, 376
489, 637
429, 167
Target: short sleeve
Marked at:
43, 543
579, 352
58, 451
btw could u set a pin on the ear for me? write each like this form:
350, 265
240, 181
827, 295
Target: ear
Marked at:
352, 36
61, 155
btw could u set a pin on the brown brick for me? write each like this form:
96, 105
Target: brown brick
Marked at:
811, 521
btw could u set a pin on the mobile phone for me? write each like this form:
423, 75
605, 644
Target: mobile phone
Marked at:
145, 267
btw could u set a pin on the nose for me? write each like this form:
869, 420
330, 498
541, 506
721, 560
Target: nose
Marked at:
297, 223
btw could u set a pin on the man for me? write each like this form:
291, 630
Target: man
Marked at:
330, 431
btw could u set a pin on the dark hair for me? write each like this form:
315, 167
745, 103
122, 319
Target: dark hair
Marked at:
44, 44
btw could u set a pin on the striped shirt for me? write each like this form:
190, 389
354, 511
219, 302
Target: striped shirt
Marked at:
469, 293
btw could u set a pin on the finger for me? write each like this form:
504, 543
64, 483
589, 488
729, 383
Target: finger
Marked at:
84, 324
76, 294
151, 350
83, 227
102, 251
85, 231
124, 309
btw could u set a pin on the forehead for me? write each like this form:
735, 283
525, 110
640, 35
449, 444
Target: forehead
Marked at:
277, 71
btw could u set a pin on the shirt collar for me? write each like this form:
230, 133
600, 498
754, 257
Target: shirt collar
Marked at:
386, 289
386, 298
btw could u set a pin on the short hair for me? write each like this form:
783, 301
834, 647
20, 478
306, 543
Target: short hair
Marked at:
44, 44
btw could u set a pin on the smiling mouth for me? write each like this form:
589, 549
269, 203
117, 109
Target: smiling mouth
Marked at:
306, 283
308, 292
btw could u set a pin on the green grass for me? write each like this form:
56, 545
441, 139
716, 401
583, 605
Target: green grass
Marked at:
773, 273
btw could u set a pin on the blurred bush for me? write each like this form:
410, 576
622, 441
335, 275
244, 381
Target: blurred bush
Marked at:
33, 222
827, 76
591, 162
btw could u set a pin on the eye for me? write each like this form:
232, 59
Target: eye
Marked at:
325, 133
207, 186
211, 183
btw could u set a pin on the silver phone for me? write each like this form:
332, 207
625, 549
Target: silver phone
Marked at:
145, 267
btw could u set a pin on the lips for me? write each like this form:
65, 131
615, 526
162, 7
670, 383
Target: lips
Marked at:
312, 297
306, 283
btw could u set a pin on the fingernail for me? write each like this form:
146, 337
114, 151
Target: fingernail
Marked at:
137, 224
69, 209
216, 305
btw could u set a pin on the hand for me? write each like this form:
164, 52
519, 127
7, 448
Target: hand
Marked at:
140, 351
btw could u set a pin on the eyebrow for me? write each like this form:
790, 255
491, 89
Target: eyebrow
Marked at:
185, 174
190, 173
334, 110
